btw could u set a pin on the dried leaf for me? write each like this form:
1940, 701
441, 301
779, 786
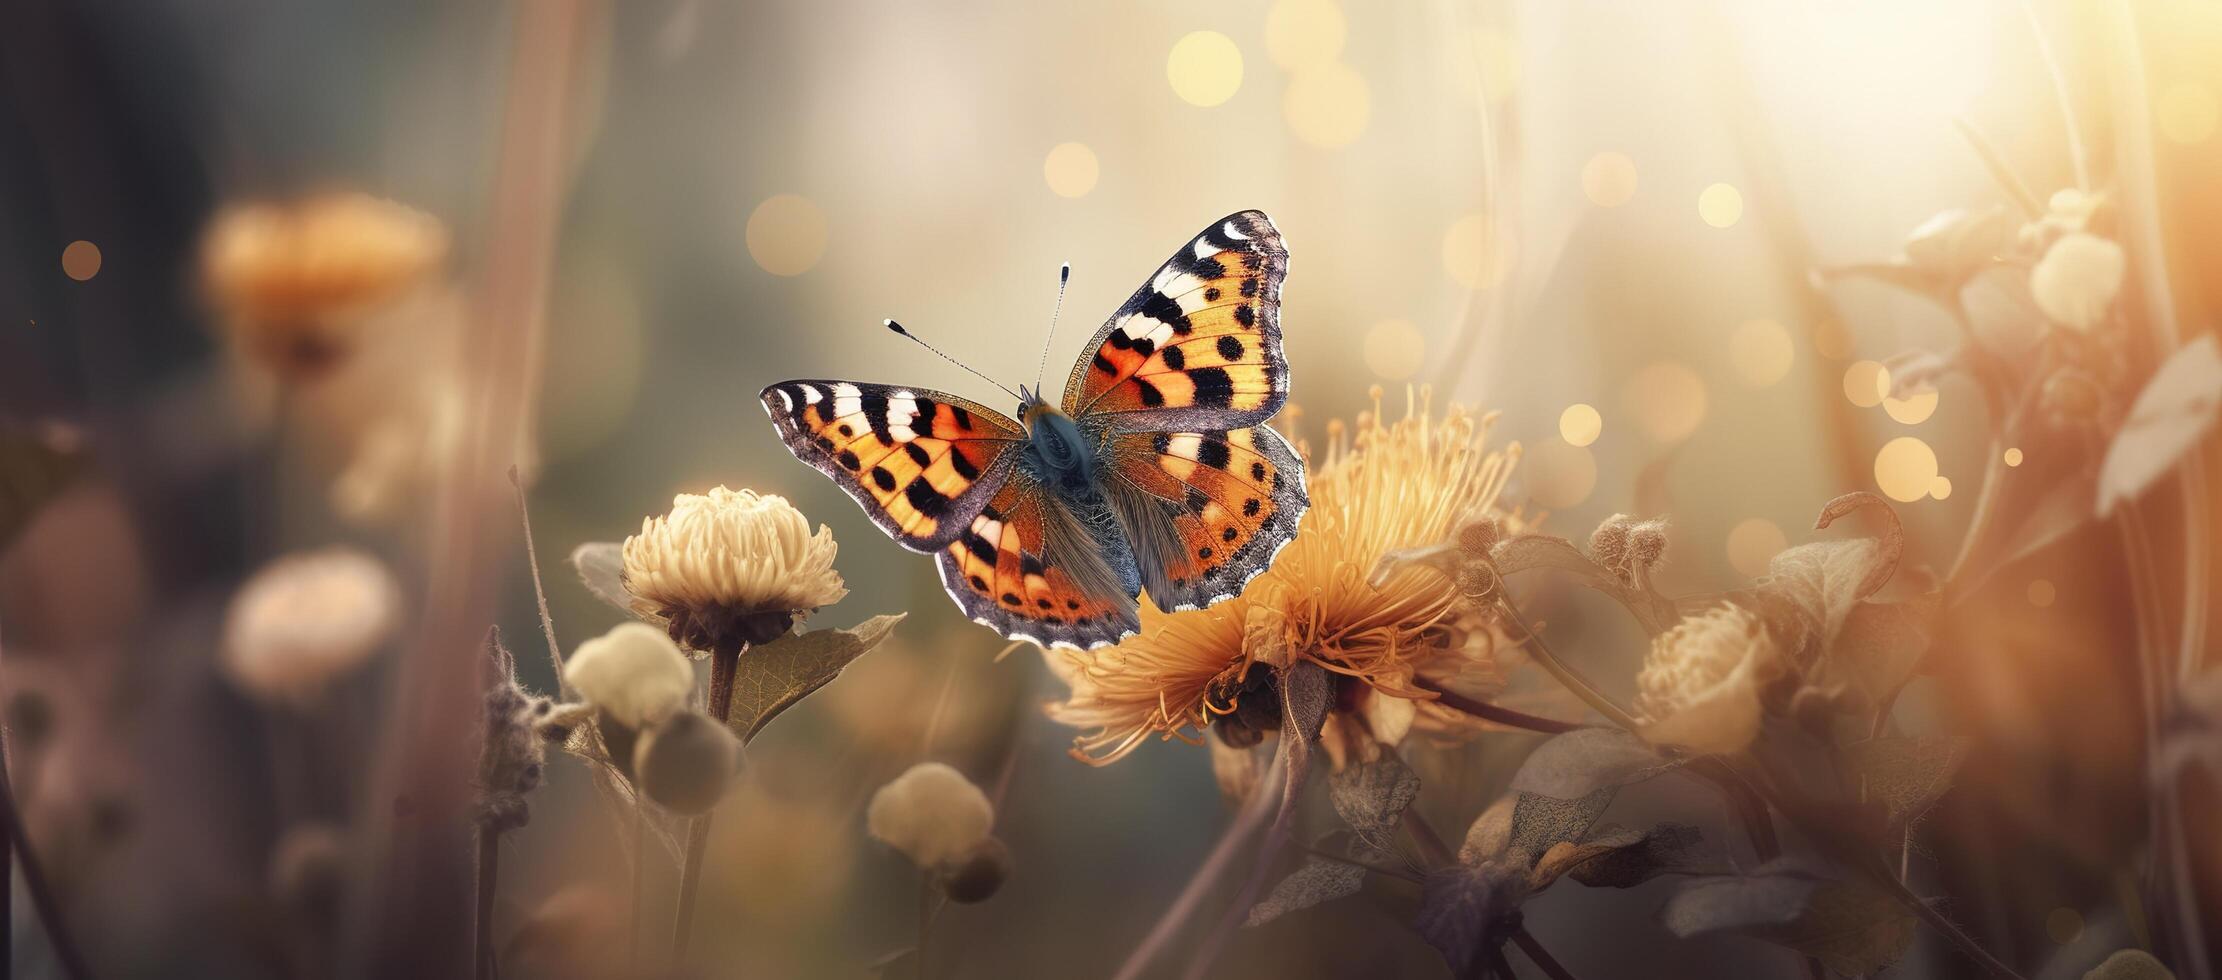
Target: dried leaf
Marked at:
1881, 643
37, 462
1828, 579
2176, 409
1372, 798
1565, 856
1667, 849
1579, 763
1851, 928
1465, 911
1527, 552
1906, 775
1538, 822
1317, 880
1489, 835
601, 566
772, 677
1305, 693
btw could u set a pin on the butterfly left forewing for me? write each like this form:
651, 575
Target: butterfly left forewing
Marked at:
921, 463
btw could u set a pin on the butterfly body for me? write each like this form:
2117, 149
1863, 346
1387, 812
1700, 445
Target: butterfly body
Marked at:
1155, 475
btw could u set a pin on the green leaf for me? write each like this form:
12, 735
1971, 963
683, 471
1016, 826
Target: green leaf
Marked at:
771, 678
2175, 411
1851, 928
1906, 775
1579, 763
601, 566
37, 462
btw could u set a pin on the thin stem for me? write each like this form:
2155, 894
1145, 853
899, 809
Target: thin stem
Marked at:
925, 919
1246, 822
2077, 155
66, 953
1549, 964
1499, 713
723, 665
539, 593
1942, 923
1432, 849
640, 880
1750, 804
1567, 675
489, 874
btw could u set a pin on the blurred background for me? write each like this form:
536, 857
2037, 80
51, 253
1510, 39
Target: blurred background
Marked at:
1600, 219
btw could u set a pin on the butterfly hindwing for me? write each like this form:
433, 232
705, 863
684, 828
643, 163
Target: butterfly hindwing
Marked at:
922, 464
1199, 345
1011, 570
1206, 511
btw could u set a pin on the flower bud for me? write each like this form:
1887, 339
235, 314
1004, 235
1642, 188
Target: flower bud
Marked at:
2076, 281
306, 620
685, 763
975, 875
931, 813
633, 674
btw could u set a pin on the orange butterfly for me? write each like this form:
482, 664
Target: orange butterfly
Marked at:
1157, 473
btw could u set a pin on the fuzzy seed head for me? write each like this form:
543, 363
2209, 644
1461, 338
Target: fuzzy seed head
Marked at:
931, 813
633, 674
685, 763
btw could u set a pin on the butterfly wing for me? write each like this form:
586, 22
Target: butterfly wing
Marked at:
1178, 384
1024, 568
1205, 511
1198, 347
922, 464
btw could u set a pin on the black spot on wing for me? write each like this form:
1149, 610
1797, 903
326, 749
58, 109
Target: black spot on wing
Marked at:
849, 460
1230, 348
882, 478
1160, 307
1151, 397
980, 549
1175, 359
1246, 316
1029, 565
963, 465
1213, 453
1104, 364
1214, 389
926, 499
918, 454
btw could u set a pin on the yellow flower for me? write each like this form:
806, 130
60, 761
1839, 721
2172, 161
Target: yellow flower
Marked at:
730, 568
1700, 686
292, 280
1383, 488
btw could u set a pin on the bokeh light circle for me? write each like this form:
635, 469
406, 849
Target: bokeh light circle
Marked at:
1906, 469
1666, 400
1071, 169
1761, 351
1304, 33
2186, 113
1609, 179
1720, 205
1753, 543
81, 260
2012, 456
1580, 424
1395, 350
1472, 253
2041, 592
787, 234
1205, 68
1866, 383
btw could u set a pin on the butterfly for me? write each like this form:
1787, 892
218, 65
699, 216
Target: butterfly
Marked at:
1155, 474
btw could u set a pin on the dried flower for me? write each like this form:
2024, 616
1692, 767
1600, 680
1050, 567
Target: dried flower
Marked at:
686, 762
1396, 486
730, 568
1700, 687
306, 619
632, 674
293, 280
931, 813
513, 755
2076, 281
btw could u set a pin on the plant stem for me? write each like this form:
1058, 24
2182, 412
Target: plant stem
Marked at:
723, 664
1750, 804
1940, 922
1542, 957
1253, 814
489, 874
1566, 674
539, 592
925, 919
1432, 849
1499, 713
640, 880
18, 843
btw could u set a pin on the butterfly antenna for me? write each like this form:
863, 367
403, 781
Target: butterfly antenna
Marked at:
1064, 275
913, 338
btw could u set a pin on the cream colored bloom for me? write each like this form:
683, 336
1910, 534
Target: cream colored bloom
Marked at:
1387, 487
1699, 689
931, 813
306, 619
727, 556
634, 674
2077, 280
292, 279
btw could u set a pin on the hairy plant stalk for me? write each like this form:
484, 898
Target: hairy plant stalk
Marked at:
723, 665
539, 592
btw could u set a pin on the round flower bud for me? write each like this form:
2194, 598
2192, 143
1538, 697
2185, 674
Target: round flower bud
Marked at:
931, 813
685, 763
304, 620
1477, 539
1700, 685
632, 674
2076, 281
730, 568
976, 875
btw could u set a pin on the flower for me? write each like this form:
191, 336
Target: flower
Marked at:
1700, 686
1389, 487
2076, 281
932, 813
292, 280
730, 569
306, 619
632, 674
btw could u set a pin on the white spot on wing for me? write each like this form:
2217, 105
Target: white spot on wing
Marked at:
1233, 232
1204, 249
